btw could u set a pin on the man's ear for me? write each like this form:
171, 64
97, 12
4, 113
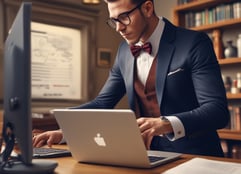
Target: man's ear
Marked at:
148, 8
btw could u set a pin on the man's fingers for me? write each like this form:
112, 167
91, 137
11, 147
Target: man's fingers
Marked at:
147, 137
39, 140
40, 143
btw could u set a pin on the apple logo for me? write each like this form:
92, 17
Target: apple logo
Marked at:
99, 140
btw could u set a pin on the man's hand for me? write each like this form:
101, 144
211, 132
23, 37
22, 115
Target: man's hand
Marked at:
150, 127
48, 137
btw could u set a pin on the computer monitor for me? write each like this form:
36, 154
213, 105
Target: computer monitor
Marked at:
17, 126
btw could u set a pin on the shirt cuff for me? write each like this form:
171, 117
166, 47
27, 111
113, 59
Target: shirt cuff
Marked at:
178, 128
63, 141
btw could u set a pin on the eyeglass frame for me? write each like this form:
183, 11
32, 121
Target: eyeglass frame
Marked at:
111, 22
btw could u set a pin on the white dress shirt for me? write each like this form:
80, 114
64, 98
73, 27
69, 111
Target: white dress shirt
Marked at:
144, 62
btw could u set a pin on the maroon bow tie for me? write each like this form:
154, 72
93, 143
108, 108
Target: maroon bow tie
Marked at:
136, 50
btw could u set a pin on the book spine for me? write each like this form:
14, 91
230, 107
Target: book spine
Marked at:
212, 15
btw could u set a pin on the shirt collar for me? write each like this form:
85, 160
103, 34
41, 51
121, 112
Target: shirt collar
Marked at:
154, 39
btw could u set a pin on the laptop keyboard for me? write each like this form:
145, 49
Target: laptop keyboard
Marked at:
155, 158
50, 152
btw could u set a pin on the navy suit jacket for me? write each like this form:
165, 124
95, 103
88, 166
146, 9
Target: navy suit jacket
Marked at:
188, 85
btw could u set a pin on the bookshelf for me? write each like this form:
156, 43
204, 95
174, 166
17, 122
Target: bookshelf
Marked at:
216, 18
230, 134
221, 24
230, 61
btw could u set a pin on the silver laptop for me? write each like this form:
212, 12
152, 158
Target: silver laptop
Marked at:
109, 137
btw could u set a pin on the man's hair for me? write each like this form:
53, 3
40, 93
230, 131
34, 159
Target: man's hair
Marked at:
132, 1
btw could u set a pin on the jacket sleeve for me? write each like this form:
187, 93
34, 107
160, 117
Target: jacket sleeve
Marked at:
212, 112
111, 93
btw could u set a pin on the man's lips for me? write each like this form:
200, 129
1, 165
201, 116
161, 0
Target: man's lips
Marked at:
125, 35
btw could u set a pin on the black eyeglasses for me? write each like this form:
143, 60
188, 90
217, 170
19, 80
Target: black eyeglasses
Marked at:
123, 18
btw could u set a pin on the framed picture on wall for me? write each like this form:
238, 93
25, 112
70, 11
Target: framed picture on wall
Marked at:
56, 62
104, 57
61, 49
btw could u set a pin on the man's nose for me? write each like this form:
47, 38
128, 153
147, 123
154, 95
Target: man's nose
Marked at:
119, 26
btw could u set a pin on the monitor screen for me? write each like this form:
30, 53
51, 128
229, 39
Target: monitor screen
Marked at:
17, 127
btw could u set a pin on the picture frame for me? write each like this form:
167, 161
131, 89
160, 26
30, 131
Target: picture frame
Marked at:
104, 57
56, 62
85, 22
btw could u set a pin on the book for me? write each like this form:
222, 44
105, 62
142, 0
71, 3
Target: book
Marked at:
212, 15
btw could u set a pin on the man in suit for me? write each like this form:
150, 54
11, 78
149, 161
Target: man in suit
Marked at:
173, 84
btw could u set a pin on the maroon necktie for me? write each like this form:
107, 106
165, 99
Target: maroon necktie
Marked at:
136, 50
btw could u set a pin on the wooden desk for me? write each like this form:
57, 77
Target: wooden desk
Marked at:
67, 165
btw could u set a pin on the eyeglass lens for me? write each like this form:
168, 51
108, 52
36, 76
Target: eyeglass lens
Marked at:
123, 18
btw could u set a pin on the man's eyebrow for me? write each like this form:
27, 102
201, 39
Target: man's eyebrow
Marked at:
118, 15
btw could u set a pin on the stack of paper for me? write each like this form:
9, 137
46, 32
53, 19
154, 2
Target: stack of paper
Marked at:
205, 166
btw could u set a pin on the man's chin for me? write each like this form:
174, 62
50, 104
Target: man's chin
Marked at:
131, 42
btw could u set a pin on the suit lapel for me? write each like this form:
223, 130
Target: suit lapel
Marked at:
129, 76
163, 60
164, 57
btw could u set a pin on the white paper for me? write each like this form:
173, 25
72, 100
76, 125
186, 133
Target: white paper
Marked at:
56, 62
205, 166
